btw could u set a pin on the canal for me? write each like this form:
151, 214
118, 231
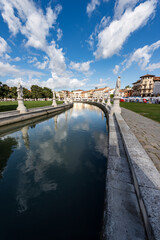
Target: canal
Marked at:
52, 177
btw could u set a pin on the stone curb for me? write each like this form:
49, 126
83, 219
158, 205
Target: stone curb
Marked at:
146, 179
32, 113
122, 216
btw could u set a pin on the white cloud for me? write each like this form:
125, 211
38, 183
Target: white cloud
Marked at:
153, 66
35, 26
16, 59
30, 20
42, 65
142, 56
3, 47
56, 82
57, 59
92, 6
122, 5
26, 84
112, 38
59, 34
116, 69
103, 23
32, 60
83, 67
6, 68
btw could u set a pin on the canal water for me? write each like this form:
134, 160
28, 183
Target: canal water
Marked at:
52, 177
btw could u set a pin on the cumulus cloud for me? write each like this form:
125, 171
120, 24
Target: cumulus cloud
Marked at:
26, 84
112, 38
142, 56
42, 65
56, 82
116, 69
83, 67
34, 24
8, 69
30, 20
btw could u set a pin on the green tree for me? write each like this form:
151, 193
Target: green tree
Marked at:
12, 92
5, 90
36, 91
47, 92
27, 93
127, 86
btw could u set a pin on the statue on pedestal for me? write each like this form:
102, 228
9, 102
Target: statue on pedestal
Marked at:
118, 85
20, 91
54, 104
20, 100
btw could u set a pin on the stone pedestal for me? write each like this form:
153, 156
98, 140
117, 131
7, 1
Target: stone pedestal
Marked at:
21, 106
116, 108
54, 104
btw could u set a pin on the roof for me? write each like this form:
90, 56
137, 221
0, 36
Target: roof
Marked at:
78, 90
147, 75
100, 89
136, 82
86, 91
156, 79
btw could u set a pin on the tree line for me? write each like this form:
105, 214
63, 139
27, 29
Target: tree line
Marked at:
35, 92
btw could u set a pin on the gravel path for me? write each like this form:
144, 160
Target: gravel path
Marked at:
148, 133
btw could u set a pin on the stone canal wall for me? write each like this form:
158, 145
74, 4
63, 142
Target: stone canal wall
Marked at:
7, 118
132, 203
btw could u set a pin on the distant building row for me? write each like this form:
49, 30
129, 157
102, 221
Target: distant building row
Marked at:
93, 93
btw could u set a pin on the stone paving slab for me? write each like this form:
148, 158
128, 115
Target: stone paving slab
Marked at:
148, 133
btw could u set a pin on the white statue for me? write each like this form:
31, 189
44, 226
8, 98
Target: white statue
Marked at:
118, 84
20, 100
54, 104
20, 91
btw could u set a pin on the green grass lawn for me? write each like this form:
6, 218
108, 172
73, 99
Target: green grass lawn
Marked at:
148, 110
9, 106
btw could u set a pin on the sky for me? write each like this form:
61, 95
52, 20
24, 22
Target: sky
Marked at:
78, 44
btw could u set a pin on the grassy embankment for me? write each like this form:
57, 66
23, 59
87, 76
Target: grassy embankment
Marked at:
9, 106
148, 110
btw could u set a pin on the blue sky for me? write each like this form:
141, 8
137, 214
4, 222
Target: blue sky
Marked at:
68, 44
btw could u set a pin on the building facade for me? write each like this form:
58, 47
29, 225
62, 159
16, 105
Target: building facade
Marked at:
144, 87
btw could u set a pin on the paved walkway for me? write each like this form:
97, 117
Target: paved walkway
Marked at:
148, 133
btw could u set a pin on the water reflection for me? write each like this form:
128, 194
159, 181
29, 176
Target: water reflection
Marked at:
7, 144
59, 162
